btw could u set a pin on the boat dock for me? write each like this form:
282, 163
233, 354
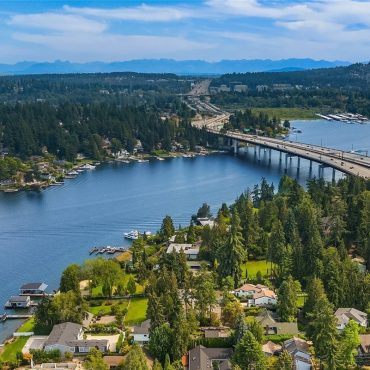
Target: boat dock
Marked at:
5, 317
108, 250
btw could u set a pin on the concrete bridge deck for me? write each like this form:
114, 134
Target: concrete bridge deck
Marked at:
350, 163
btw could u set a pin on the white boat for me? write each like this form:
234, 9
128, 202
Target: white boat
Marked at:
132, 235
143, 160
88, 166
160, 159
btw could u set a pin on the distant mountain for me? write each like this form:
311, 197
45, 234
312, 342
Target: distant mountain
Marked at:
181, 67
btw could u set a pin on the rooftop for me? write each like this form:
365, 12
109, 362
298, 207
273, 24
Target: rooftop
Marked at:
34, 286
187, 248
64, 333
345, 314
201, 358
143, 328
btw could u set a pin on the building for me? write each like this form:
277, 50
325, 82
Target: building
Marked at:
141, 333
240, 88
257, 295
202, 358
271, 349
343, 316
299, 349
363, 356
69, 337
271, 325
205, 221
190, 251
113, 361
33, 289
216, 332
18, 301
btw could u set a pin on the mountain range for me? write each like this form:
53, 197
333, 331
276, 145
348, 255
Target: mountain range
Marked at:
181, 67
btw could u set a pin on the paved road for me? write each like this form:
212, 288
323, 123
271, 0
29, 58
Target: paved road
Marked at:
347, 162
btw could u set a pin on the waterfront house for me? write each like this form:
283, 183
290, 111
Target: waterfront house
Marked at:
343, 316
299, 349
33, 289
270, 323
190, 251
256, 295
18, 302
202, 358
69, 337
141, 333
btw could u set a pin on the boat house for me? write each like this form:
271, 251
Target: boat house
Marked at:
33, 289
18, 302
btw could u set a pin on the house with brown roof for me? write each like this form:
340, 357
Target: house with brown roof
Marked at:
271, 324
271, 348
257, 295
141, 332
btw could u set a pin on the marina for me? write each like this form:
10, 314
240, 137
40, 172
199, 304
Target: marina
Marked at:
345, 117
108, 250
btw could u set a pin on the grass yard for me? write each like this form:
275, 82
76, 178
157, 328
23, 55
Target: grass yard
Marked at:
105, 309
288, 113
98, 290
136, 311
253, 267
28, 326
300, 300
11, 349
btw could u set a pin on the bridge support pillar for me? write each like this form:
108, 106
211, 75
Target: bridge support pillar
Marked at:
333, 175
310, 165
235, 146
299, 163
280, 155
270, 154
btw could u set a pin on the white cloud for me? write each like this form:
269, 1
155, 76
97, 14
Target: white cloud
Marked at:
109, 47
145, 13
57, 22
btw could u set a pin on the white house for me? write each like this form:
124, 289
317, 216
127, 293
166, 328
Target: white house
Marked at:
343, 316
257, 295
141, 332
190, 251
299, 350
69, 337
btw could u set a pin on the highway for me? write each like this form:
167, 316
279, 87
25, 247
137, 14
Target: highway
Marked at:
347, 162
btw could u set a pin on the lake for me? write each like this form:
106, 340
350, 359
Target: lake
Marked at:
41, 233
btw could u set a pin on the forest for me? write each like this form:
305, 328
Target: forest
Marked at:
71, 128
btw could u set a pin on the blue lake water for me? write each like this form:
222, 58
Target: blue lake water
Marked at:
41, 233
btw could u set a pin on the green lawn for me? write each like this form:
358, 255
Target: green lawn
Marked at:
28, 326
105, 309
288, 113
136, 310
300, 301
11, 349
254, 266
98, 290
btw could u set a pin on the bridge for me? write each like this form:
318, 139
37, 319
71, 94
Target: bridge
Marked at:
346, 162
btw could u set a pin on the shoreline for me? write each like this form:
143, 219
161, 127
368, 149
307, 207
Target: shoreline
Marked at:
144, 157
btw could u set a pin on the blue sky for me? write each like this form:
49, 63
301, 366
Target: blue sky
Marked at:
112, 30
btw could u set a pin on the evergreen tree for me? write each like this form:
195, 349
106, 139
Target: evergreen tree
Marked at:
287, 300
349, 342
160, 343
248, 353
135, 360
94, 361
232, 254
285, 361
167, 229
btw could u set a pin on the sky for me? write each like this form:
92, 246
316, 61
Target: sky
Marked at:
114, 30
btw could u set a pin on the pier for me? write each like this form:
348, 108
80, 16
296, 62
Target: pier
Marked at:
108, 250
5, 317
